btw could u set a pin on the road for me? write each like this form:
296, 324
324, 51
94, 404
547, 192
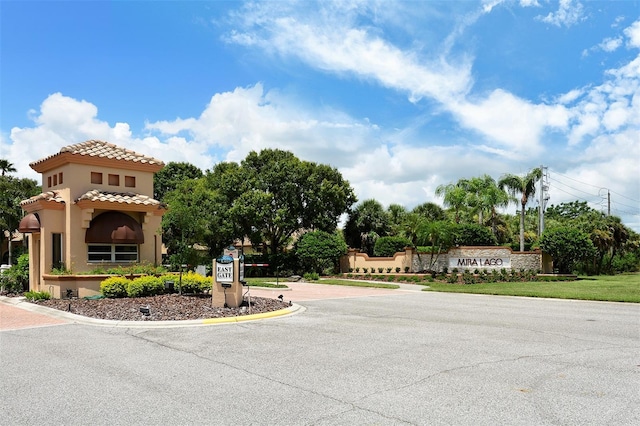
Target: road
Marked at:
403, 357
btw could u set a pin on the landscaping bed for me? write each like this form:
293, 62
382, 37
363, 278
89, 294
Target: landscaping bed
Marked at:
168, 307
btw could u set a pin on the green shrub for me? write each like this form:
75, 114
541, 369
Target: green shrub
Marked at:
114, 287
311, 276
147, 285
192, 283
135, 288
397, 270
16, 278
37, 295
388, 246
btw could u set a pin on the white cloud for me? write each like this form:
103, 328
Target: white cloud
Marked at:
511, 122
248, 119
610, 44
633, 34
63, 121
568, 14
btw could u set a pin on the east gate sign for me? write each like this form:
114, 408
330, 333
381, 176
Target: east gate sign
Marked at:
480, 262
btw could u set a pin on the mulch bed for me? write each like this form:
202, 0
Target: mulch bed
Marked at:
168, 307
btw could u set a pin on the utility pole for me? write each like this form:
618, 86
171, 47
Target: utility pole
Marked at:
544, 197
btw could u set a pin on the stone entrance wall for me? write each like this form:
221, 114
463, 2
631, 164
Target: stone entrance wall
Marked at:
460, 258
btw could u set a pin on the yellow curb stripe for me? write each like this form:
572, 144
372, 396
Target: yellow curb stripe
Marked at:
251, 317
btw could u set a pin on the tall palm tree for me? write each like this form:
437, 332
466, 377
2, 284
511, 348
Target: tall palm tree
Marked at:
525, 186
454, 196
6, 166
490, 197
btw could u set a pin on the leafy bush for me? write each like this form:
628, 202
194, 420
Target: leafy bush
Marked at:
114, 287
311, 276
135, 288
388, 246
147, 285
473, 234
319, 250
16, 278
192, 283
37, 295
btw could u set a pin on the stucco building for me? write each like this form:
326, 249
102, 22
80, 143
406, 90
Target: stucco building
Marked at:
96, 209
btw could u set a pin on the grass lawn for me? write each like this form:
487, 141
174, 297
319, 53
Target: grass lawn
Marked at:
616, 288
269, 282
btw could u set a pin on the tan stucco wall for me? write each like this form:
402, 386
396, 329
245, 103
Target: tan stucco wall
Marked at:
77, 177
354, 259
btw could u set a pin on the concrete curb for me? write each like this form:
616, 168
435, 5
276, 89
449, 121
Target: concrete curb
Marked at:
21, 303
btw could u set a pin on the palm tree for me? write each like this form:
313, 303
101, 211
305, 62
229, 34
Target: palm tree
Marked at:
526, 187
6, 166
454, 196
490, 197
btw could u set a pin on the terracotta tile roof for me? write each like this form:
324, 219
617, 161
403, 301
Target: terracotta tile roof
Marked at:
101, 149
49, 196
119, 197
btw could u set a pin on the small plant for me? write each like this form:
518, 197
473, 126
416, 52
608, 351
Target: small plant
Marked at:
380, 270
37, 295
311, 276
388, 270
452, 278
357, 270
445, 270
476, 271
406, 269
397, 270
365, 270
350, 269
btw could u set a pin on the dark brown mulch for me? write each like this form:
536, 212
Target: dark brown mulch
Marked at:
168, 307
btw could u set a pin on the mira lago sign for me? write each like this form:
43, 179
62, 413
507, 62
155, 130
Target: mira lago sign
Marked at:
480, 262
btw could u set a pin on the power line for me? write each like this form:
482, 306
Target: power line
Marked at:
595, 186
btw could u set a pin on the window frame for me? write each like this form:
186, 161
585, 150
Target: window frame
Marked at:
113, 253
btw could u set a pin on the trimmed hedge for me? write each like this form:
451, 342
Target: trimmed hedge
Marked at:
114, 287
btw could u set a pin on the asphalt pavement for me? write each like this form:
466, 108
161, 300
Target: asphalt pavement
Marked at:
392, 357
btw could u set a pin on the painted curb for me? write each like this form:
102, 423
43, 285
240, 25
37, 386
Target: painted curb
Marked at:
20, 302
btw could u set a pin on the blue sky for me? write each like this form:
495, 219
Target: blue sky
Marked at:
399, 96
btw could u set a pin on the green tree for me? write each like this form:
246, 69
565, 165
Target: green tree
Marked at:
367, 222
196, 217
6, 166
566, 246
430, 211
525, 186
272, 195
454, 197
397, 214
12, 192
171, 175
318, 251
438, 235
